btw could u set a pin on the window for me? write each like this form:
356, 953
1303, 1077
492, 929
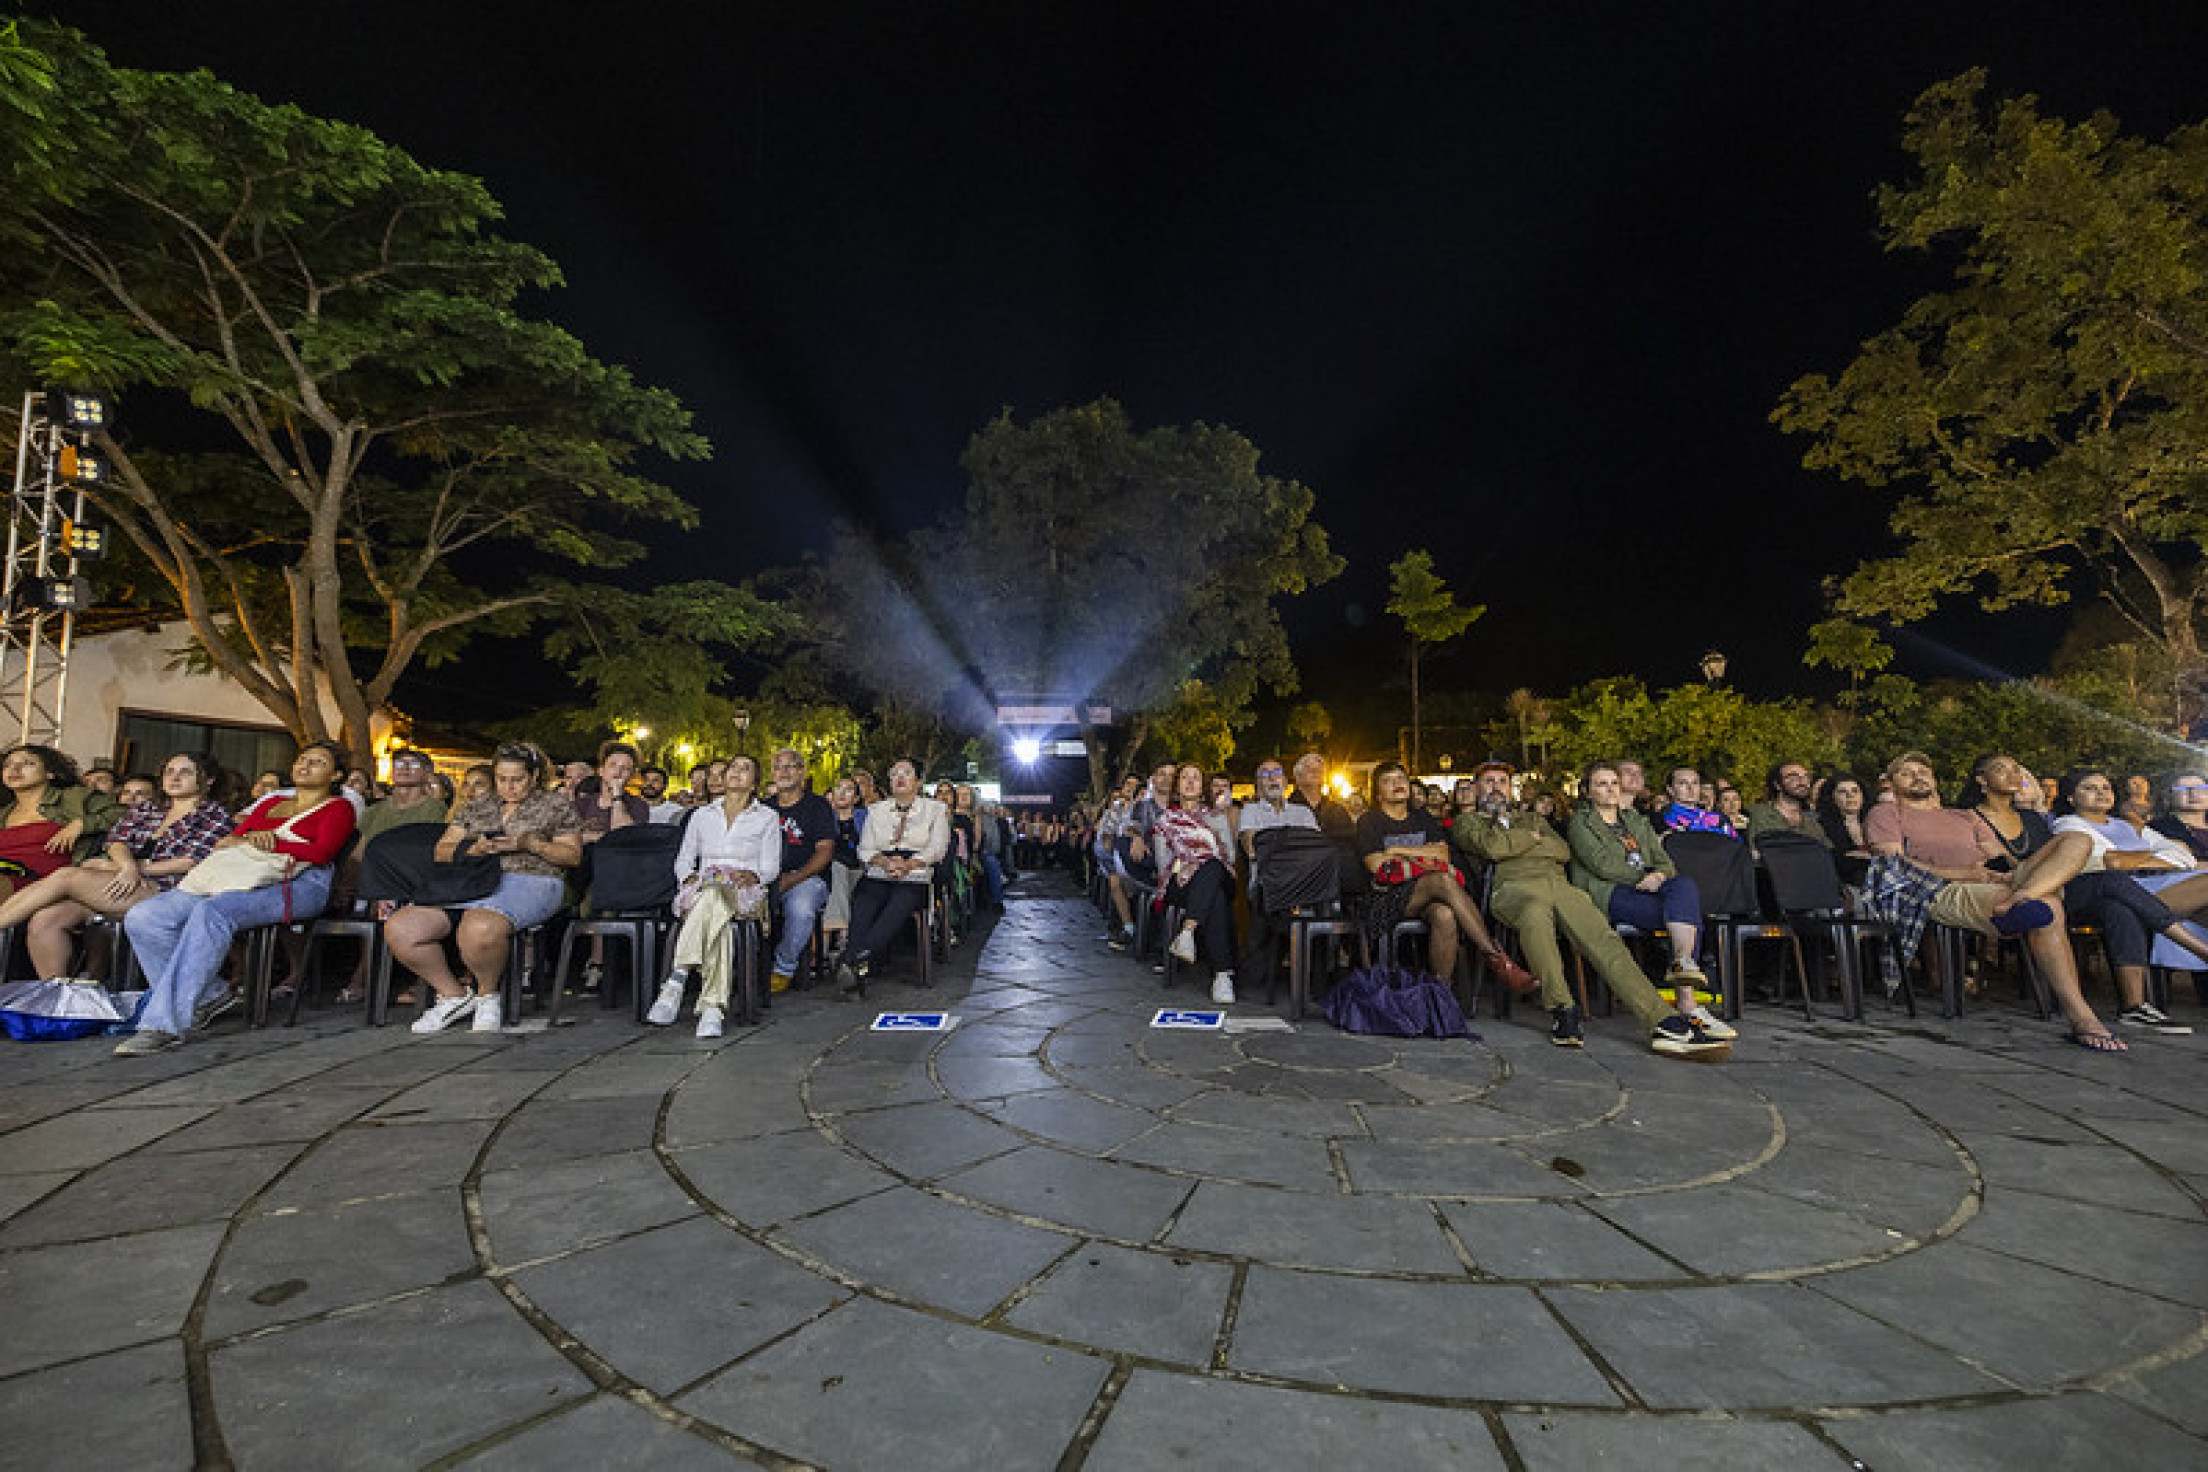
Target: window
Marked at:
144, 739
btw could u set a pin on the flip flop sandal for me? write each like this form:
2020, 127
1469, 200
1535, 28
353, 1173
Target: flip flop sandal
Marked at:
2098, 1042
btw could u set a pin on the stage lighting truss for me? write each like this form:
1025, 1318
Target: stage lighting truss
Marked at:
41, 583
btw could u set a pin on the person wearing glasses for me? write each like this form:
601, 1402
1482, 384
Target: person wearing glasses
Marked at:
2185, 812
1269, 809
533, 830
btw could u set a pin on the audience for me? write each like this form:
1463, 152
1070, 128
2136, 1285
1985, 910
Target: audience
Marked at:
1195, 846
534, 832
2128, 915
1618, 859
1687, 809
1406, 854
53, 819
1534, 897
1787, 805
138, 789
905, 837
2185, 812
843, 872
1953, 852
146, 853
732, 849
603, 801
272, 867
808, 848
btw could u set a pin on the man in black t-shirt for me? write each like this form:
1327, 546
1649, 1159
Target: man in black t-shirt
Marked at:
808, 847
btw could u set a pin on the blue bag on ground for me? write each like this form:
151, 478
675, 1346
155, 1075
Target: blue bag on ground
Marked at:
52, 1011
1395, 1003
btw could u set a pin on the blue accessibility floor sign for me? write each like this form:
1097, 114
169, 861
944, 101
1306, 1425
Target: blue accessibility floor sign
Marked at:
1194, 1021
913, 1022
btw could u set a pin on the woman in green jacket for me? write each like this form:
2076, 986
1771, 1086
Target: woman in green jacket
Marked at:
1618, 859
49, 818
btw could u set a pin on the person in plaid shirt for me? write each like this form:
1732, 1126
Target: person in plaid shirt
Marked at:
147, 853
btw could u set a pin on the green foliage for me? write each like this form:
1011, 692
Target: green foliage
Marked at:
1309, 724
2048, 724
1713, 728
1427, 607
356, 323
1199, 726
2045, 420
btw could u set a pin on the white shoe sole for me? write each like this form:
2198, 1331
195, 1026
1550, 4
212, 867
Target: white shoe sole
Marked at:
426, 1027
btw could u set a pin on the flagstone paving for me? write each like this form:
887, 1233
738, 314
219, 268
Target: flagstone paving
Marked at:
1057, 1237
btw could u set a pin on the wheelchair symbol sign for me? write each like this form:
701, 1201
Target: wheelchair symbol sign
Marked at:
911, 1022
1199, 1021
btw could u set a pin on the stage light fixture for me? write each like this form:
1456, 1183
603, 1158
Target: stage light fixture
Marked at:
77, 409
87, 542
1027, 751
61, 595
82, 467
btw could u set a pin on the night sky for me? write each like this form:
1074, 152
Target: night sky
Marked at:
1519, 284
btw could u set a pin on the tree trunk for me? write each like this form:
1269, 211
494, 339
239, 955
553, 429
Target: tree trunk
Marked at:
1093, 745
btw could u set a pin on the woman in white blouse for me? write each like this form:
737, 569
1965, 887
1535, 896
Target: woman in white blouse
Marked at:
2086, 803
905, 837
731, 851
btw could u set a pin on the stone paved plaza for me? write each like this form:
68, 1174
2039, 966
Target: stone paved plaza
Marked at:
1056, 1237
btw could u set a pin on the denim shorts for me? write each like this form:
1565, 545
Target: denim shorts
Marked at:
524, 899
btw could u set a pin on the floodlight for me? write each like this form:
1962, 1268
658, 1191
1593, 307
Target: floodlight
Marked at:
77, 409
1027, 751
59, 594
81, 541
82, 467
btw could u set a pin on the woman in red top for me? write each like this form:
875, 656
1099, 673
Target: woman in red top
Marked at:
181, 937
147, 853
53, 817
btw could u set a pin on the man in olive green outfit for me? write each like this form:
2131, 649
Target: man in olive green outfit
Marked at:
1533, 896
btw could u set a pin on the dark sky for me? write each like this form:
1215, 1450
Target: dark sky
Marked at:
1517, 283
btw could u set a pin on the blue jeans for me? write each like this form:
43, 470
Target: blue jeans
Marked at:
801, 904
993, 871
181, 940
1677, 903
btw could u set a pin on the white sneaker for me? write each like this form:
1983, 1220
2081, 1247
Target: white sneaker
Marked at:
669, 1004
1712, 1024
1184, 947
444, 1012
488, 1014
1222, 988
709, 1022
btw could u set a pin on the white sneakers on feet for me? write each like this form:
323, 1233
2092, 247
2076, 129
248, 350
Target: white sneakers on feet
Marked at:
444, 1012
668, 1006
1184, 947
709, 1022
1222, 988
488, 1014
1712, 1024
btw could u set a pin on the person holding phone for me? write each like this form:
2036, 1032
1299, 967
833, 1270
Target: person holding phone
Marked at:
533, 829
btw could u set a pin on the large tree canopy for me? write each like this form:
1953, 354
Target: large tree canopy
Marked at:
2045, 419
1092, 562
403, 436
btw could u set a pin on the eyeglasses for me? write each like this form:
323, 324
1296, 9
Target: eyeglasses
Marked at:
2189, 787
1270, 772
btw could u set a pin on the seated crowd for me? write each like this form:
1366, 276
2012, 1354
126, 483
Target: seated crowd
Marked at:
182, 862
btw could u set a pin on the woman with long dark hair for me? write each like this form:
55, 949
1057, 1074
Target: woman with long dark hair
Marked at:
182, 936
1196, 846
50, 818
152, 848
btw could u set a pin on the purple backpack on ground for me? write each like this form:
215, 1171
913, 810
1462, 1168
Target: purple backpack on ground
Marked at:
1395, 1003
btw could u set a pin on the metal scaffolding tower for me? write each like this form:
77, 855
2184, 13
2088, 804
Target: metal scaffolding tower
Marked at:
40, 588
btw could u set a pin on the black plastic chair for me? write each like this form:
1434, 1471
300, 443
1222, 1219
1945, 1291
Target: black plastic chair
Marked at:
1296, 876
1805, 885
1725, 873
632, 893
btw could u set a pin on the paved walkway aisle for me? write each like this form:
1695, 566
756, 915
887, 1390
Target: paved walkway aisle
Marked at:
1058, 1238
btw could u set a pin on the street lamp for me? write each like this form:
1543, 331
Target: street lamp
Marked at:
1713, 666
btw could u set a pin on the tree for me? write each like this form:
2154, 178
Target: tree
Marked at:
2045, 420
1198, 726
1715, 729
1430, 614
1309, 724
352, 323
1091, 563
